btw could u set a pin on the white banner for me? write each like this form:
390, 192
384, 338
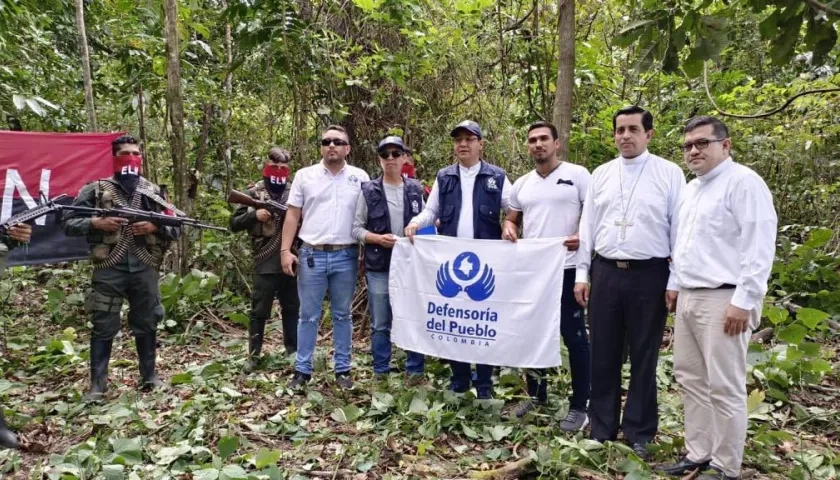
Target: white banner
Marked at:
479, 301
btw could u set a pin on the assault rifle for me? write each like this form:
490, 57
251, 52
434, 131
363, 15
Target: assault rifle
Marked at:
276, 208
134, 215
33, 213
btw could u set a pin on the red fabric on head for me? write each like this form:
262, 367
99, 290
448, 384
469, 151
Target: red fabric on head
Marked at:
128, 164
279, 172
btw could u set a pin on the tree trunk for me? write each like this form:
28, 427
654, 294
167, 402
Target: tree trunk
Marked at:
562, 116
226, 111
175, 105
195, 173
83, 48
150, 171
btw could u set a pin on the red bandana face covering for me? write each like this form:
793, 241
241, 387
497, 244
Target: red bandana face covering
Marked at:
275, 177
128, 165
408, 171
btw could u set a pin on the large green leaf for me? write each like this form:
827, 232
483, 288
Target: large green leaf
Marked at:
227, 445
811, 317
266, 458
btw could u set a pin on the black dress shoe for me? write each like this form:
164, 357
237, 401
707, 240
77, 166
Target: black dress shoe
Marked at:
681, 468
641, 451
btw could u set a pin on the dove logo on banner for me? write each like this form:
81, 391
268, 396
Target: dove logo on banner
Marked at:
466, 267
479, 301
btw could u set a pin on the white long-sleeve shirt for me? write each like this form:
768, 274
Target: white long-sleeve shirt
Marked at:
727, 233
651, 212
465, 218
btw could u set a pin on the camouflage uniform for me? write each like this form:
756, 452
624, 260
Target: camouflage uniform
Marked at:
7, 438
269, 280
125, 267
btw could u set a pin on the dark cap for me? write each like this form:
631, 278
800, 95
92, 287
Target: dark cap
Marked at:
469, 126
392, 140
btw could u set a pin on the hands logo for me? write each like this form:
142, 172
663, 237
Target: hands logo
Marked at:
466, 267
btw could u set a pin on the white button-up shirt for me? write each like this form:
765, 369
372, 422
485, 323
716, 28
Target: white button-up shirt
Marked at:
648, 215
727, 233
327, 203
465, 218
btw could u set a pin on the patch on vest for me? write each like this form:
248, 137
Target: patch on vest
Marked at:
491, 184
415, 207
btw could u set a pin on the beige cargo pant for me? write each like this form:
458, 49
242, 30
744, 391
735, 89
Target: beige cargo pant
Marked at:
711, 367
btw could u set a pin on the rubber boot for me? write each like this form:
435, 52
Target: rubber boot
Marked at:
100, 355
146, 356
8, 439
256, 331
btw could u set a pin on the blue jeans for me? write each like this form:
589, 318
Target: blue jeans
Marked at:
381, 315
337, 272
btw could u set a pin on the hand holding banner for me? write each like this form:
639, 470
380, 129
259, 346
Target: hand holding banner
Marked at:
479, 301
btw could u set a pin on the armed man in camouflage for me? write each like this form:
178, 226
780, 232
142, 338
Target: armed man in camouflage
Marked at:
265, 229
126, 258
18, 234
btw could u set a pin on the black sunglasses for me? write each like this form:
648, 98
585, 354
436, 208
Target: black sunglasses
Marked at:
392, 154
701, 144
326, 142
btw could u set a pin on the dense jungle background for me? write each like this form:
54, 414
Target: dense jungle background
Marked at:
210, 85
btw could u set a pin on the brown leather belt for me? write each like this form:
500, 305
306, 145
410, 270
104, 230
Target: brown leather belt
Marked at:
329, 248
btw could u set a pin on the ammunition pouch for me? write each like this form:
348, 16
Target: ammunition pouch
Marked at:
98, 302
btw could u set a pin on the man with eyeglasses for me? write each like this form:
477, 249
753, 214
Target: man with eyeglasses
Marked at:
270, 282
325, 195
629, 224
724, 253
468, 198
386, 205
547, 202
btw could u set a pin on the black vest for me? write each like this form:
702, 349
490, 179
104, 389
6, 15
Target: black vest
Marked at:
377, 258
487, 201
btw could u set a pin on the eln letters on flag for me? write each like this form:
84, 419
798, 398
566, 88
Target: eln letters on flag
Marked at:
479, 301
35, 163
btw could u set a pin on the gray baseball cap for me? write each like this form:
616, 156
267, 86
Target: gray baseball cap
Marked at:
392, 140
469, 126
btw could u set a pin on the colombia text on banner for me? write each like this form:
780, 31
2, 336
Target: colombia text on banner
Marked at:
32, 163
479, 301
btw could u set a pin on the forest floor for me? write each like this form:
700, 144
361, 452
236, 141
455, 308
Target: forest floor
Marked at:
214, 422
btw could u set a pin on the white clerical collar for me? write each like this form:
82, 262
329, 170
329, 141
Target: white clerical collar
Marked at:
469, 171
719, 168
635, 160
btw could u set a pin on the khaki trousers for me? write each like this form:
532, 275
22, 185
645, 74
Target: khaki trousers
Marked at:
711, 367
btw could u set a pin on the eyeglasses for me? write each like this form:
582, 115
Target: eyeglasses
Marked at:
701, 144
326, 142
391, 154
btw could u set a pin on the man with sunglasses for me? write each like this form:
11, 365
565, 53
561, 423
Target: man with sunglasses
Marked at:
17, 235
724, 253
468, 198
325, 196
386, 205
270, 281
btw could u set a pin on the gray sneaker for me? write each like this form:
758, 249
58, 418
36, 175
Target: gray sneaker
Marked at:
575, 420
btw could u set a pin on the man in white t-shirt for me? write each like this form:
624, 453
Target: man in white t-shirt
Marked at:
548, 202
325, 196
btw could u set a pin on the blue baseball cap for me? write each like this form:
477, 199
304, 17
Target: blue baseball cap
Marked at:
392, 140
469, 126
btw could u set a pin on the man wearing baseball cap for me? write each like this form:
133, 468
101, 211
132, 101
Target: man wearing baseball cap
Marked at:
384, 207
468, 198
